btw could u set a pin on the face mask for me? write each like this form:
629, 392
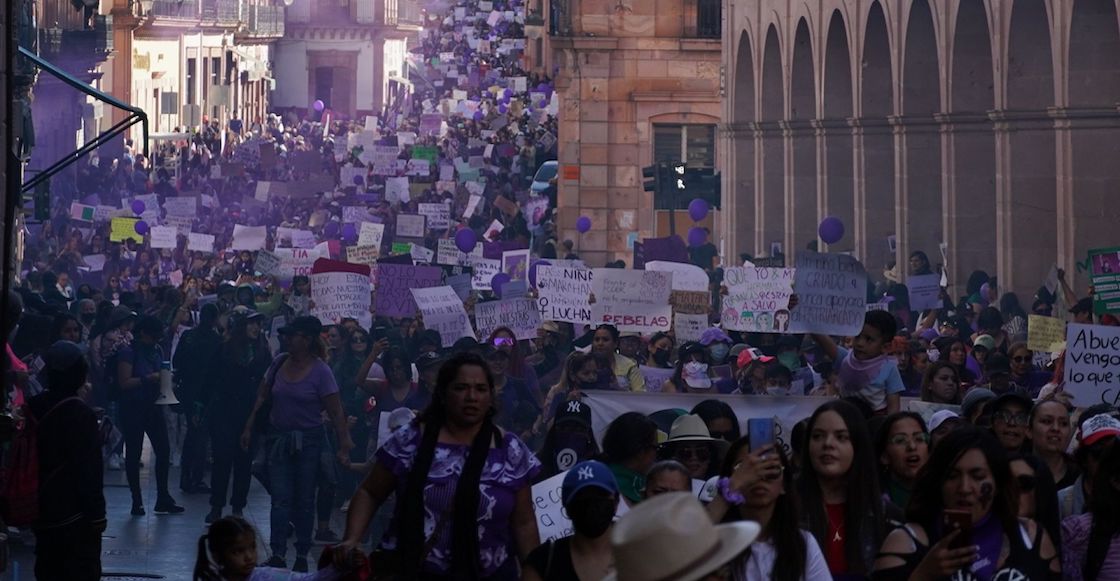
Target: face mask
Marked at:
661, 357
570, 448
718, 352
790, 360
584, 385
592, 517
695, 375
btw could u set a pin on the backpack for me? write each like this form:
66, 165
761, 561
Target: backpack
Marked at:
20, 488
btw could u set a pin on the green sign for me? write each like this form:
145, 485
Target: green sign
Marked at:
401, 248
428, 153
1104, 272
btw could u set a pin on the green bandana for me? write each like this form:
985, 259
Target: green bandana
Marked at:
630, 483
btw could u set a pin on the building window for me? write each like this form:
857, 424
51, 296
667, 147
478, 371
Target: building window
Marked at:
192, 70
708, 18
539, 51
693, 144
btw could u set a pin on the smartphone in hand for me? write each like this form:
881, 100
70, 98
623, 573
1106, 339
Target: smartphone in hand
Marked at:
961, 520
760, 432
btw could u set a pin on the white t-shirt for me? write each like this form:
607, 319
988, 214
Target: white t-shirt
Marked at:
760, 565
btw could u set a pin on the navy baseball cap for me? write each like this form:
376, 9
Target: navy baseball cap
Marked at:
584, 474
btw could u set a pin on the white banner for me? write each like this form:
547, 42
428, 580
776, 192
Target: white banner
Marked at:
443, 311
341, 295
562, 294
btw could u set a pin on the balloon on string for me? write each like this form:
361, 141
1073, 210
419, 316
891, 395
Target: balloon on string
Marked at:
507, 93
533, 271
583, 224
141, 227
138, 207
359, 180
696, 236
831, 230
496, 283
318, 105
478, 115
697, 209
349, 232
465, 239
502, 108
330, 230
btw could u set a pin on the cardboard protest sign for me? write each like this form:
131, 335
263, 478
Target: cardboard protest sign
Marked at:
366, 255
394, 282
1092, 367
655, 377
520, 315
181, 206
472, 205
757, 299
448, 253
371, 234
266, 263
248, 237
200, 242
94, 262
925, 291
483, 271
632, 300
340, 291
296, 262
438, 215
552, 520
82, 212
563, 293
689, 327
515, 263
396, 190
832, 293
1105, 275
121, 229
164, 237
410, 225
443, 311
1046, 334
421, 254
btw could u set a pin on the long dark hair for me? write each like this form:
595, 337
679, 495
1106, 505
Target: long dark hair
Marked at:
883, 434
864, 506
1104, 505
931, 372
926, 501
223, 533
1045, 496
785, 534
686, 352
464, 516
714, 409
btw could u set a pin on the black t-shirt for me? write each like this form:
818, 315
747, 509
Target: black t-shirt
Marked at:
559, 552
703, 255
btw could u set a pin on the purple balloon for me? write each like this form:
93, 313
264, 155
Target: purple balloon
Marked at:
318, 105
465, 239
330, 230
697, 209
502, 108
138, 207
498, 281
349, 232
533, 271
583, 224
831, 230
696, 236
508, 93
141, 226
359, 180
478, 115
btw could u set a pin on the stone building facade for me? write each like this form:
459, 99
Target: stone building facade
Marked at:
987, 125
635, 77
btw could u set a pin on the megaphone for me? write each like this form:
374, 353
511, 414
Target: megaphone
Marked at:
166, 389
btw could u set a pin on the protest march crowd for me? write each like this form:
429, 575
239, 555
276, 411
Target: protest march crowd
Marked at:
376, 316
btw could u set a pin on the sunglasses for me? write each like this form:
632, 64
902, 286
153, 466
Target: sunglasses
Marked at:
503, 341
692, 452
1026, 482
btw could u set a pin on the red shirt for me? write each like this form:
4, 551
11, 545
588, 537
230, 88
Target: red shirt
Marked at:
834, 542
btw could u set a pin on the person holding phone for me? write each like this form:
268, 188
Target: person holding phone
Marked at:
964, 517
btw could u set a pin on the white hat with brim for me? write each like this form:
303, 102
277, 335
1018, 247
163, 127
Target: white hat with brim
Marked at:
691, 428
671, 536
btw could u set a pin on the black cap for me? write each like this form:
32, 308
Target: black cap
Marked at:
307, 326
429, 359
574, 411
1084, 305
429, 337
997, 364
62, 356
1008, 398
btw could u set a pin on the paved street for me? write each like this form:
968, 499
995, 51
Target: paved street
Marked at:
155, 547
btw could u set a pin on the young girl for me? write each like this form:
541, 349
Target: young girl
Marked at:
232, 556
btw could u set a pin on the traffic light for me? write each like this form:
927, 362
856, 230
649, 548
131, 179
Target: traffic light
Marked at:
651, 175
42, 201
679, 174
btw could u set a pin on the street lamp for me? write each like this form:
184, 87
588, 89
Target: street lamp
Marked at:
146, 7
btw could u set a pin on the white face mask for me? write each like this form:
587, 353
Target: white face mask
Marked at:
695, 374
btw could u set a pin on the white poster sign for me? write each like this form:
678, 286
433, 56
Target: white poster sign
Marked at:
686, 277
248, 237
197, 242
371, 234
520, 315
164, 237
925, 291
410, 226
443, 311
1092, 364
757, 299
438, 215
563, 293
341, 295
632, 300
832, 294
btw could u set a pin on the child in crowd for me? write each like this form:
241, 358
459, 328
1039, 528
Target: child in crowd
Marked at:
866, 370
232, 556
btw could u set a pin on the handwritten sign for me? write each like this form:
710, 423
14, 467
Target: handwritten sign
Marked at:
925, 291
757, 299
396, 190
248, 237
1092, 364
421, 254
832, 293
1105, 275
483, 271
632, 300
296, 262
366, 255
371, 234
164, 237
552, 520
410, 226
520, 315
197, 242
341, 295
181, 206
686, 277
443, 311
394, 281
448, 253
438, 215
266, 263
1045, 333
121, 229
689, 327
562, 294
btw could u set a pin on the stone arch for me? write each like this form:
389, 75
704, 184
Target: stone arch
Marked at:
876, 104
1032, 200
803, 98
920, 101
839, 190
772, 144
974, 165
743, 188
1094, 82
